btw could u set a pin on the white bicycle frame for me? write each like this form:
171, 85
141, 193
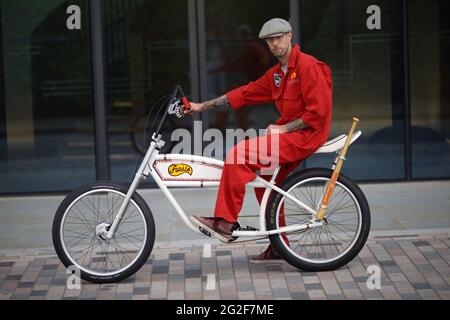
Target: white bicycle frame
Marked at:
207, 174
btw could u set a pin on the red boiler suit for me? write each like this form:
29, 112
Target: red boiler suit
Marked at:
305, 92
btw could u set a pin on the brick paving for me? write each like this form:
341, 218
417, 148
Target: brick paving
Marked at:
412, 267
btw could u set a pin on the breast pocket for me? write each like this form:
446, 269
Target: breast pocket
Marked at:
292, 94
292, 103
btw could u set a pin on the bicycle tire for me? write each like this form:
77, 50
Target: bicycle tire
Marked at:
60, 244
284, 249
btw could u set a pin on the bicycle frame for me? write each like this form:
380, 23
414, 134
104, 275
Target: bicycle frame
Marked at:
156, 165
207, 174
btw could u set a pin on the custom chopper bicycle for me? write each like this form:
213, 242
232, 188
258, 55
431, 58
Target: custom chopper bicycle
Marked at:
107, 231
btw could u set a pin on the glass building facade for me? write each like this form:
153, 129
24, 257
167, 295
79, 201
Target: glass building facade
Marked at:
73, 102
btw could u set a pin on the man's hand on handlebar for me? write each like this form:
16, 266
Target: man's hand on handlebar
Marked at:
195, 107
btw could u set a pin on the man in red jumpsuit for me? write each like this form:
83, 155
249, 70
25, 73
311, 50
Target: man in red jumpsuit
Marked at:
301, 88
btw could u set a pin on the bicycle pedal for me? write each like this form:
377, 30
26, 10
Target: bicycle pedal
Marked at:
205, 232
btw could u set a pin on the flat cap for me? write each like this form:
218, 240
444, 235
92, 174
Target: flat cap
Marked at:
274, 28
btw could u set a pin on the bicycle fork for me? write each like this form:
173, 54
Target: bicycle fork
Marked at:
157, 142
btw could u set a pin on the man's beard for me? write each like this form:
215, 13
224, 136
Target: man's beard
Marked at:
280, 54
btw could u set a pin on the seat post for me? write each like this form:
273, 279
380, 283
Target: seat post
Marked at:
336, 160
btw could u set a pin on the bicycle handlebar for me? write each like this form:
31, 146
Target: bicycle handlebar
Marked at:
187, 105
173, 107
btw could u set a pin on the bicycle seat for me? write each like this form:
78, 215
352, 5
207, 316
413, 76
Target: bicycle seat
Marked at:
337, 143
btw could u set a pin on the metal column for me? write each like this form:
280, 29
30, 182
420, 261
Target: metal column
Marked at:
407, 91
102, 163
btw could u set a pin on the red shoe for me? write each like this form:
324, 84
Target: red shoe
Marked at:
268, 256
218, 227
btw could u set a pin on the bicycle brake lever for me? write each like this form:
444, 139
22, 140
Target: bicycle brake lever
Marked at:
187, 105
176, 109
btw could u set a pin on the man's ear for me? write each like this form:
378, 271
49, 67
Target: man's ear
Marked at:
289, 34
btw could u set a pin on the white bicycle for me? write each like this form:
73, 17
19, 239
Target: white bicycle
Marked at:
317, 219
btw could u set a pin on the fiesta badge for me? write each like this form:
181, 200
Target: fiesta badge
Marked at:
176, 170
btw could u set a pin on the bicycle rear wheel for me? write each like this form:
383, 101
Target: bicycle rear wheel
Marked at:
80, 226
335, 243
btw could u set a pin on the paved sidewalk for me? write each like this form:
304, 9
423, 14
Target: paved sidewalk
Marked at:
413, 264
26, 222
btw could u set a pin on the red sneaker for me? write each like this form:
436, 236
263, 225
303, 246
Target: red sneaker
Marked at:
268, 256
218, 227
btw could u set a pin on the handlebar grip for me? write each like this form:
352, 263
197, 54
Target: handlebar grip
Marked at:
186, 103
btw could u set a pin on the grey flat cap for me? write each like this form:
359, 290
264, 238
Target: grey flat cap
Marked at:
274, 28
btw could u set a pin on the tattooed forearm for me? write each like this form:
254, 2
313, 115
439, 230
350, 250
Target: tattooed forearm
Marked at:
295, 125
221, 102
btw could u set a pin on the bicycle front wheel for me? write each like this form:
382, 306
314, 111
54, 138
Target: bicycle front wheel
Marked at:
80, 226
341, 237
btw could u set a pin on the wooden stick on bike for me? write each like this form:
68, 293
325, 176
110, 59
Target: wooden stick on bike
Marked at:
332, 183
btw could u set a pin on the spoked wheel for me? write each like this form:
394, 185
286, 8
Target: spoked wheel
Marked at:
82, 222
344, 231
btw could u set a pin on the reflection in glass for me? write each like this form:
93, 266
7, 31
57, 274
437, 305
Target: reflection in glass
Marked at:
236, 56
46, 110
367, 71
429, 36
146, 55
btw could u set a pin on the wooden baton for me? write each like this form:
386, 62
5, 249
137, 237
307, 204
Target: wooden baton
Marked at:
332, 183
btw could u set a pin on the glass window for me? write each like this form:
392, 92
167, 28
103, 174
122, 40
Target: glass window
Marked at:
367, 71
46, 108
146, 55
236, 56
429, 36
